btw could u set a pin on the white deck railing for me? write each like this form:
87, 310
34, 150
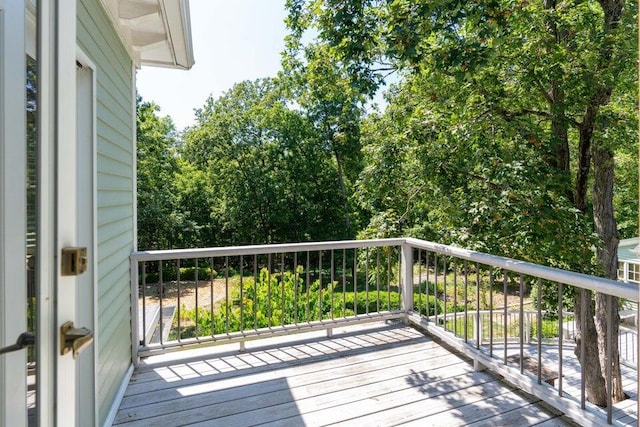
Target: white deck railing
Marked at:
182, 298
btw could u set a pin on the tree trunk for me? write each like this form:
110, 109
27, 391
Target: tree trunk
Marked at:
595, 386
605, 226
605, 320
557, 155
584, 159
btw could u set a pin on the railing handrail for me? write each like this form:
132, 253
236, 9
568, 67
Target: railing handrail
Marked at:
598, 284
585, 281
172, 254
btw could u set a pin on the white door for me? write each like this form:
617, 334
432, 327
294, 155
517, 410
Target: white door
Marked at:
13, 288
65, 217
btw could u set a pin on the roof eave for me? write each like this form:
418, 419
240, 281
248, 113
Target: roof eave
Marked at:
155, 32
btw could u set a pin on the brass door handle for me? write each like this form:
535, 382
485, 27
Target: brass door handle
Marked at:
74, 339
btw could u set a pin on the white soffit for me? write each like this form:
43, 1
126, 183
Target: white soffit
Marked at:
156, 32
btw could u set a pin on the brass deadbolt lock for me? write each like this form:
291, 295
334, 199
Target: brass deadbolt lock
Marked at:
74, 261
74, 339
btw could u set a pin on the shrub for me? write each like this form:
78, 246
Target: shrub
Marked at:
281, 299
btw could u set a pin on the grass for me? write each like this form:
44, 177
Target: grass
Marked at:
549, 327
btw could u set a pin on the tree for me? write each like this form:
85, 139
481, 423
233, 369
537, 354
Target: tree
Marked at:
334, 104
268, 177
156, 166
511, 108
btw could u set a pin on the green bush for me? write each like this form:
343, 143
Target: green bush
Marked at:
281, 299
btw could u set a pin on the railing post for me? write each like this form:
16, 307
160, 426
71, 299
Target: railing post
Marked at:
407, 278
135, 338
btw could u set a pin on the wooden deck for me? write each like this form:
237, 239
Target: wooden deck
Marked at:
368, 375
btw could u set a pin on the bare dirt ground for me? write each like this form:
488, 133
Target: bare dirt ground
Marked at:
187, 295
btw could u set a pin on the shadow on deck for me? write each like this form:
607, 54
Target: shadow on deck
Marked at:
376, 374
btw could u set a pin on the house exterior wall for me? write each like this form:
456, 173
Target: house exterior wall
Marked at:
115, 105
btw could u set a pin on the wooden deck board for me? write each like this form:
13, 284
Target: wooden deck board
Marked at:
376, 375
624, 412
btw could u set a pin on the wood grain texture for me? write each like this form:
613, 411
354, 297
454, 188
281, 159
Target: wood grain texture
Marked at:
366, 375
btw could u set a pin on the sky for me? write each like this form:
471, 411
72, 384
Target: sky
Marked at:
233, 40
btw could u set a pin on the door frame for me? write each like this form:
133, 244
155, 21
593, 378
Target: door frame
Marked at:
56, 50
46, 335
87, 287
64, 201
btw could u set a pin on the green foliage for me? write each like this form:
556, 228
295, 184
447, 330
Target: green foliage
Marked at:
254, 171
156, 166
277, 299
549, 328
487, 140
186, 273
549, 298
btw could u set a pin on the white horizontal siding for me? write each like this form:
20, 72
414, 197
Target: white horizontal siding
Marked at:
115, 171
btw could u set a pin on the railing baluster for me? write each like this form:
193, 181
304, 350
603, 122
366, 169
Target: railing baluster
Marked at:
355, 281
560, 362
466, 299
491, 284
366, 280
427, 284
282, 322
419, 281
444, 292
270, 320
212, 295
478, 320
255, 291
583, 325
344, 283
521, 324
320, 293
539, 325
608, 371
377, 280
295, 287
389, 273
401, 291
226, 294
435, 287
242, 326
505, 309
455, 296
332, 280
160, 298
178, 300
308, 314
144, 304
196, 296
